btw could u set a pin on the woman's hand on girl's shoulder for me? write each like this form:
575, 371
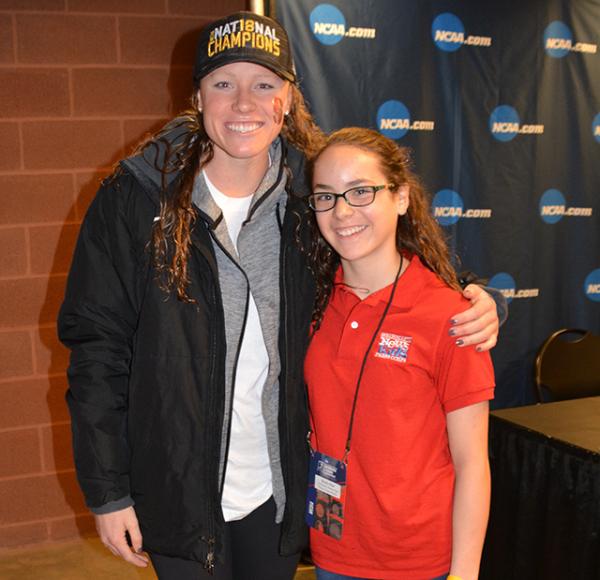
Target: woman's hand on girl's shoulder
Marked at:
478, 325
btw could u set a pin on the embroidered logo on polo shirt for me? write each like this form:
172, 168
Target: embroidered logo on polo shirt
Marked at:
393, 347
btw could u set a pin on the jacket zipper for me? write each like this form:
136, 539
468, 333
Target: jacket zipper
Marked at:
209, 563
284, 297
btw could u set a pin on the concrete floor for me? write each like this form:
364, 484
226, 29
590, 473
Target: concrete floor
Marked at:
84, 559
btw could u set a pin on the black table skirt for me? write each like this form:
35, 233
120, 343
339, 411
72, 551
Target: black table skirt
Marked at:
545, 509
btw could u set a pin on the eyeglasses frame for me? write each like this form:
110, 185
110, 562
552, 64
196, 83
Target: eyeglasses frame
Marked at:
336, 196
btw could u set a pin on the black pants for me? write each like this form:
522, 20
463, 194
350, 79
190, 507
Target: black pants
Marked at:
251, 552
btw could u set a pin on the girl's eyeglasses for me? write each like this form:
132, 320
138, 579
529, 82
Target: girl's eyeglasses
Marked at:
356, 197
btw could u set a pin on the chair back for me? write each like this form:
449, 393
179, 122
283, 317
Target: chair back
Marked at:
567, 365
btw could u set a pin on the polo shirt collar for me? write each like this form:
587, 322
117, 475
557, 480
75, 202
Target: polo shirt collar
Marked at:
410, 286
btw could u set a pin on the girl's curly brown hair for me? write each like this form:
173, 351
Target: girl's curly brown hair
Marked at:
171, 234
417, 232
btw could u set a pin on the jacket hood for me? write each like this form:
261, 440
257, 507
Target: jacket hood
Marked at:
147, 166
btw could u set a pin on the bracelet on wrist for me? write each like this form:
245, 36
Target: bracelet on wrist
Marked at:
453, 577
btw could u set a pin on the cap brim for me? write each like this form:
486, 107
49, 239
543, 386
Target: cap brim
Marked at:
273, 66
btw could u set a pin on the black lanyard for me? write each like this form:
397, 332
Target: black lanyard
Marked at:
362, 368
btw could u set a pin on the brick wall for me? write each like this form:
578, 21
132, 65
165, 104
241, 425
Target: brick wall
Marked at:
80, 82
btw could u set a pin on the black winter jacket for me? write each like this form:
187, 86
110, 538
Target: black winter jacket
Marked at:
146, 373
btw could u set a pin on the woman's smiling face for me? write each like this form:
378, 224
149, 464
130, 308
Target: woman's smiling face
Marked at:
243, 106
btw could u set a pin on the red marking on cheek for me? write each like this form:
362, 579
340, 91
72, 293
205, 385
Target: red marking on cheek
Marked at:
277, 111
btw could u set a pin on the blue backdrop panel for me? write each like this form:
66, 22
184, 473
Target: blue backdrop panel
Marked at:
500, 104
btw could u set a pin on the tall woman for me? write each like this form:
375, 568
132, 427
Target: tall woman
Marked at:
187, 312
399, 484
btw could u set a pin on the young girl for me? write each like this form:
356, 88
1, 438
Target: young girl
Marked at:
399, 484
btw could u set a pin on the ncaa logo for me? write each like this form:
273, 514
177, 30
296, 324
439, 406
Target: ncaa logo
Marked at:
448, 32
552, 206
447, 207
504, 123
328, 24
591, 286
505, 283
393, 119
596, 127
558, 39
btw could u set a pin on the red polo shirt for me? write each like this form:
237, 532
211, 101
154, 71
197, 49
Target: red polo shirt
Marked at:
400, 478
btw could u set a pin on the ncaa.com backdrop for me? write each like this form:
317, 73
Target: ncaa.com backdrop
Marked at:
500, 103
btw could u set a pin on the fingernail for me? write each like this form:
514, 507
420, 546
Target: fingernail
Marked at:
460, 342
453, 321
138, 551
452, 332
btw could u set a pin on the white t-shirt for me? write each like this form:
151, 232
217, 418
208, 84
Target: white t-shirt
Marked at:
248, 482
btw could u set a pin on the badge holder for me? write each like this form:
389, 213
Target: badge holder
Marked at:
326, 494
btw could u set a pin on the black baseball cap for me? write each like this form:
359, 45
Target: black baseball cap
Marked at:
244, 37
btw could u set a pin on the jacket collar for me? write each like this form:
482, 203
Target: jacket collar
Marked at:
269, 192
